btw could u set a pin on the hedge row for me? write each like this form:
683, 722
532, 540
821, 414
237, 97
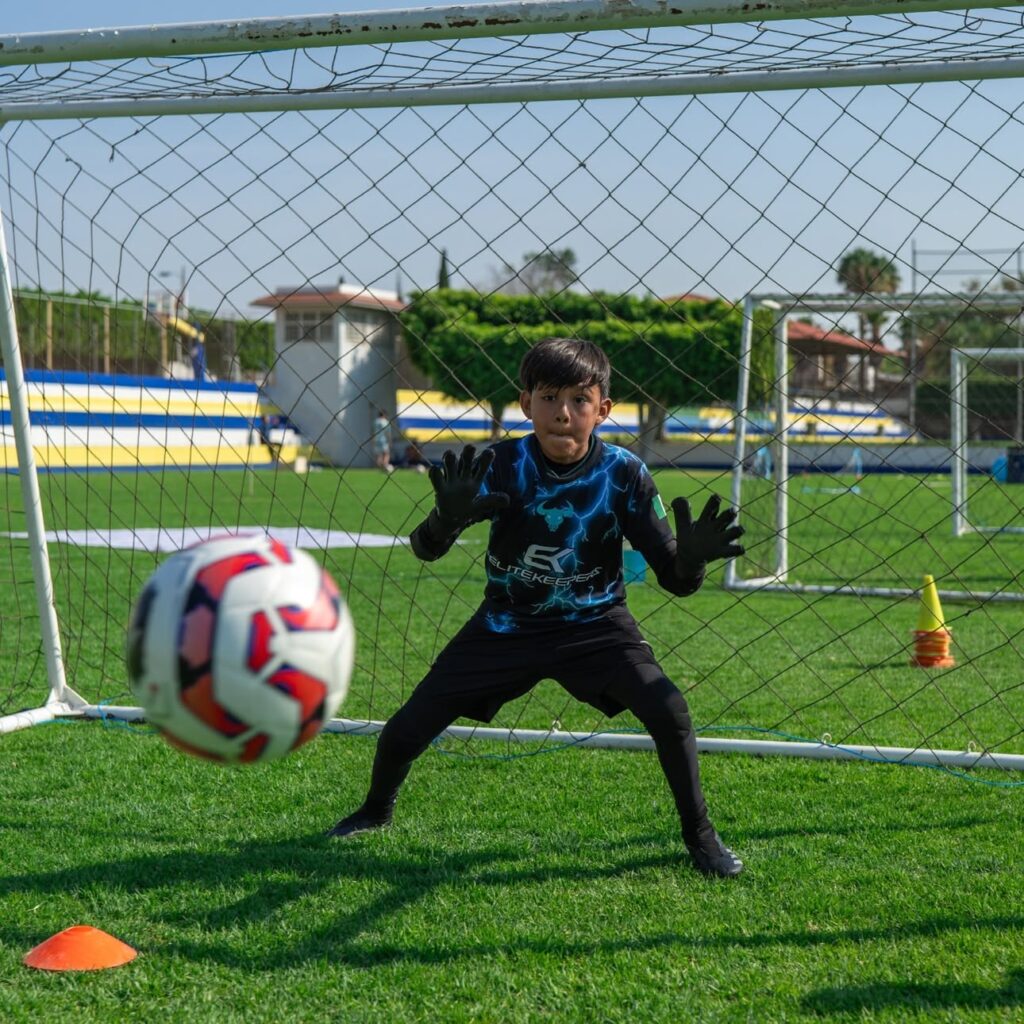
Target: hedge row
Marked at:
683, 353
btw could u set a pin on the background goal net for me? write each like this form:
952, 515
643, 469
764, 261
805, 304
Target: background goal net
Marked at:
232, 250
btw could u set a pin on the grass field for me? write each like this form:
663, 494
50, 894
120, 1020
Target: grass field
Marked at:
801, 665
546, 886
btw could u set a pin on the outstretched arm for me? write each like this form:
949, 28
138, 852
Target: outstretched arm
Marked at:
457, 501
711, 536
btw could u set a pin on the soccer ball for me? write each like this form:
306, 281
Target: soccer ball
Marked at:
240, 648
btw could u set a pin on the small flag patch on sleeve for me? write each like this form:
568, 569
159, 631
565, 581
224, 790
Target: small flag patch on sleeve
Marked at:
659, 507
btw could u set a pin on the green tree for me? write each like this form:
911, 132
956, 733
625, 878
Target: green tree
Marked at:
542, 273
663, 355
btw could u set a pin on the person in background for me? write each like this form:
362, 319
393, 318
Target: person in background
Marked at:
198, 355
263, 428
382, 442
414, 458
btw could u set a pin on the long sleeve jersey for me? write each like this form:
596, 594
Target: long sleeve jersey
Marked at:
555, 554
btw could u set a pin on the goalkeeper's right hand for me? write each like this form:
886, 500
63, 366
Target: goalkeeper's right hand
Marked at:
457, 483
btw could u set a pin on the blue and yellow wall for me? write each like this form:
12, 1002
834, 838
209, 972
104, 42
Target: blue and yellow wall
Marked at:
92, 421
427, 416
85, 421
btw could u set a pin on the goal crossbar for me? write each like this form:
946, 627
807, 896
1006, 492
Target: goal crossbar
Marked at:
256, 35
688, 84
188, 41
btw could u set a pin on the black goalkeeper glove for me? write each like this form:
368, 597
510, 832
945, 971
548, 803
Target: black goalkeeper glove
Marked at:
457, 495
711, 536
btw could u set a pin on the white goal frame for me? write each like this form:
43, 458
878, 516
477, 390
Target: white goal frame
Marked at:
786, 306
959, 371
442, 23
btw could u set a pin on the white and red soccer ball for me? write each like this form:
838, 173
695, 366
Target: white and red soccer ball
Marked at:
240, 648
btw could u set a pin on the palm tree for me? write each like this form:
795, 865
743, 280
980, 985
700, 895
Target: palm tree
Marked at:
864, 272
861, 272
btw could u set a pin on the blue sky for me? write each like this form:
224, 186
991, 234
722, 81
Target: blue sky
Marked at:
63, 15
744, 193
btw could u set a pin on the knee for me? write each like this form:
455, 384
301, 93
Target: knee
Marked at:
413, 727
403, 734
662, 709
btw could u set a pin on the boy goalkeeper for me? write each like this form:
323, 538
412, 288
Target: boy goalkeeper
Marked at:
560, 503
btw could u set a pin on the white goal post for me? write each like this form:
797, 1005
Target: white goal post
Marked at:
780, 577
273, 153
962, 361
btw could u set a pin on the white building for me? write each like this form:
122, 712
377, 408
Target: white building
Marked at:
339, 358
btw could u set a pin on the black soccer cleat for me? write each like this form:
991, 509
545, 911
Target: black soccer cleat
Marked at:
358, 821
712, 857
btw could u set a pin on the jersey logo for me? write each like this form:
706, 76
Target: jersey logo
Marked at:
554, 517
541, 556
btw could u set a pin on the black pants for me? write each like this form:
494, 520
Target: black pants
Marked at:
607, 664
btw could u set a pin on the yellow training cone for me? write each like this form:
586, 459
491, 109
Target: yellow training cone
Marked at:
931, 638
929, 615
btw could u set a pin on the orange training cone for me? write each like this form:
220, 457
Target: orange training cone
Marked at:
79, 948
931, 638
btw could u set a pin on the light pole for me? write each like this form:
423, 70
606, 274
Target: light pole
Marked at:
177, 306
162, 319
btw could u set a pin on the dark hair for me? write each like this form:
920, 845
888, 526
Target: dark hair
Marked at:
565, 362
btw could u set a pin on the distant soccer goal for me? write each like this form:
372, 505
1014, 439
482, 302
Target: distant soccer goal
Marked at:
818, 450
257, 276
987, 426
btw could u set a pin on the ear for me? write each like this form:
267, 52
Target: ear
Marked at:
603, 411
524, 403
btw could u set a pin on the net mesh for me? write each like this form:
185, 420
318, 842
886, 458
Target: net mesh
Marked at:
638, 222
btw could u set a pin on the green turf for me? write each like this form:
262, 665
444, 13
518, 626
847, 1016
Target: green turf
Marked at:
548, 886
545, 888
805, 666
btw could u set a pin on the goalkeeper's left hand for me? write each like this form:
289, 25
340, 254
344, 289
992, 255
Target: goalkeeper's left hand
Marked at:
711, 536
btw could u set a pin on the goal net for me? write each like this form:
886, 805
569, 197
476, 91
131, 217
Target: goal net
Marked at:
250, 269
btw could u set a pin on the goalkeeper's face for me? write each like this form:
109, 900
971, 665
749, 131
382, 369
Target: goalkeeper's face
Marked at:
564, 418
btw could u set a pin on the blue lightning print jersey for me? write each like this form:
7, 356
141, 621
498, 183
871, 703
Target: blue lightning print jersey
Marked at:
555, 555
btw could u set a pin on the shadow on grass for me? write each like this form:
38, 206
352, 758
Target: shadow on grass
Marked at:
956, 826
913, 995
344, 923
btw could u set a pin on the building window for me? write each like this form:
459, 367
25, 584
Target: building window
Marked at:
309, 325
367, 328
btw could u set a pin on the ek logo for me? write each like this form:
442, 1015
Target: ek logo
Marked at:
541, 556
